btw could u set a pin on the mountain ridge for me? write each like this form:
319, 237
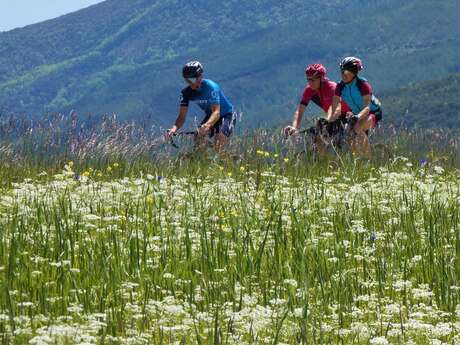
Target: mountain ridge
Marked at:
129, 61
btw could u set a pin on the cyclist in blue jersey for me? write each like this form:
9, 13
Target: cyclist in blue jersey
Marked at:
220, 117
357, 93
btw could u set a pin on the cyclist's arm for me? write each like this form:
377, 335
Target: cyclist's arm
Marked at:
298, 115
367, 103
333, 114
338, 111
180, 119
215, 116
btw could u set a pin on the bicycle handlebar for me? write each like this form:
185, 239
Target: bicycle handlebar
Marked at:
171, 141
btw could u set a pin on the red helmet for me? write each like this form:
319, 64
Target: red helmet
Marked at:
315, 70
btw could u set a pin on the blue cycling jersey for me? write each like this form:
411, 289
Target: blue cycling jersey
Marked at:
205, 96
352, 93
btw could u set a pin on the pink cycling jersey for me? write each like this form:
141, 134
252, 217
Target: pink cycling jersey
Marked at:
323, 96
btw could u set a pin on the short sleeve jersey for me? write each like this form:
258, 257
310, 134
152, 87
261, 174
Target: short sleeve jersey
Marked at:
207, 95
322, 97
353, 93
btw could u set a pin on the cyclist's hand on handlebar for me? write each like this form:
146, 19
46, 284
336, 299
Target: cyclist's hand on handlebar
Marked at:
289, 130
169, 134
203, 130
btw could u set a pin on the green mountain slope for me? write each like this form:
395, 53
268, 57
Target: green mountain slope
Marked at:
426, 104
125, 56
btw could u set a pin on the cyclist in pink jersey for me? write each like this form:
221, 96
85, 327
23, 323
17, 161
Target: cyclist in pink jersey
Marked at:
321, 91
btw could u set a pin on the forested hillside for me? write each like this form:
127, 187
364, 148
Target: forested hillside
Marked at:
125, 56
426, 104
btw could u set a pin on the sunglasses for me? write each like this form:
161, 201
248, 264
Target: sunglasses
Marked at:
312, 79
347, 70
191, 80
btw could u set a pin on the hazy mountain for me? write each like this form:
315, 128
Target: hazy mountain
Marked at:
425, 104
125, 56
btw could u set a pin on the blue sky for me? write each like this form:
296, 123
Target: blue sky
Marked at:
18, 13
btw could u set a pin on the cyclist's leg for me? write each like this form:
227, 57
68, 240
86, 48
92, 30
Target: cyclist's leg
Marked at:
319, 144
366, 124
362, 128
321, 137
333, 133
220, 143
224, 129
339, 136
200, 141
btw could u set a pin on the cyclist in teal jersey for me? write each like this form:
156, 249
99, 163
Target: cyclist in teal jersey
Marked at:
357, 93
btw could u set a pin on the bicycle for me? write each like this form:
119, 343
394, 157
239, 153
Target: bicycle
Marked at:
326, 135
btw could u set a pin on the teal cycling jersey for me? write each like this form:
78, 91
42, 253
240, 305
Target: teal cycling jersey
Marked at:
208, 94
352, 93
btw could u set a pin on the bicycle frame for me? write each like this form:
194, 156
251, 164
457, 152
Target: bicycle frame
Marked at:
333, 134
185, 133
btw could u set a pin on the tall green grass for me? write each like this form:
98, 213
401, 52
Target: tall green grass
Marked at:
106, 242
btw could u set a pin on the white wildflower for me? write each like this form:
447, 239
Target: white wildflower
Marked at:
291, 282
439, 170
402, 285
379, 341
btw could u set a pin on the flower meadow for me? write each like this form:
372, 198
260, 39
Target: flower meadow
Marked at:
269, 248
254, 257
